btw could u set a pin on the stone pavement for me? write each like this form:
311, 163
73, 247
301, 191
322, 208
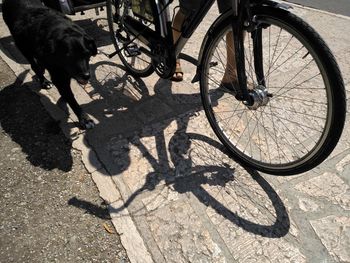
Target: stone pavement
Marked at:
173, 193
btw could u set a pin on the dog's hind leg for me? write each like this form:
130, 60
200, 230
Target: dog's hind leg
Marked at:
62, 83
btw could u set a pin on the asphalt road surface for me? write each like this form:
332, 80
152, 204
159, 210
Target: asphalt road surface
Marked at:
50, 210
341, 7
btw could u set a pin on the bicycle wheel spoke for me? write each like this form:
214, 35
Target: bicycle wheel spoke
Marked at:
298, 112
302, 100
250, 61
297, 86
274, 52
138, 65
283, 63
287, 119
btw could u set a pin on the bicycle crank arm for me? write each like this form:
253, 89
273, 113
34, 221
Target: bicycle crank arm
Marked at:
113, 54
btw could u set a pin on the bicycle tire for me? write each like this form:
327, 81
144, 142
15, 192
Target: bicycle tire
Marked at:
130, 62
334, 96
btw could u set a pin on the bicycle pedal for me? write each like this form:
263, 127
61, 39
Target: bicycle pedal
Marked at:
132, 50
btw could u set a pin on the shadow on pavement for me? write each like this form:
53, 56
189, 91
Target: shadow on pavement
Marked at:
90, 208
123, 106
26, 121
9, 48
120, 109
94, 28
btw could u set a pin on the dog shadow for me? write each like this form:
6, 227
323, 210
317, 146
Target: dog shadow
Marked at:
123, 104
25, 120
9, 48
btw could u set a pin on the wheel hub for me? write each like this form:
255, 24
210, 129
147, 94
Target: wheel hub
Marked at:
259, 96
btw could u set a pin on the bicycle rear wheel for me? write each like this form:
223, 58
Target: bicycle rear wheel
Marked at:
303, 115
137, 63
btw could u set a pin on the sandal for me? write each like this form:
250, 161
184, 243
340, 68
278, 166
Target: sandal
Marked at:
178, 74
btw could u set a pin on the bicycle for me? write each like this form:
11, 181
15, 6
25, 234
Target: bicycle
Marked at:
287, 113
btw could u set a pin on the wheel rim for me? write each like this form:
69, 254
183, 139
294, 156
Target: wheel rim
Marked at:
292, 127
139, 63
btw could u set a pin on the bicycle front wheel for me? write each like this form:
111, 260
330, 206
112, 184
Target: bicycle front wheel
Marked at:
301, 119
137, 63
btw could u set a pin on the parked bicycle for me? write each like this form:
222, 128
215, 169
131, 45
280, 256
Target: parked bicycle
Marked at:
289, 110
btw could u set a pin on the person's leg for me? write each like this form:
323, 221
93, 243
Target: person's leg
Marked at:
177, 24
186, 8
230, 75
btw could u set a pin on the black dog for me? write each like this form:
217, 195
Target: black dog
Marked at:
51, 41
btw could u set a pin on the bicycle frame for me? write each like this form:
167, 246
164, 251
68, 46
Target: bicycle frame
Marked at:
241, 14
286, 100
163, 34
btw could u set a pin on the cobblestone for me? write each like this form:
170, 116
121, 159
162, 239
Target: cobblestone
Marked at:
328, 186
334, 232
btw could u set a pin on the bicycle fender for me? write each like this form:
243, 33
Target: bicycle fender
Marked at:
283, 6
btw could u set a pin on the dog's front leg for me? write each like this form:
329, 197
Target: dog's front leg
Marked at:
40, 71
62, 83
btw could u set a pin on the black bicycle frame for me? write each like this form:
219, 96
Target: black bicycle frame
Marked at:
241, 21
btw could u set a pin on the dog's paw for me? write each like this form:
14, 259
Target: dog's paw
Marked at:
86, 123
46, 84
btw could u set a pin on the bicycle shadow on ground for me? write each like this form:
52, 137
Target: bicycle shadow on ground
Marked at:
124, 105
133, 122
213, 183
25, 120
96, 28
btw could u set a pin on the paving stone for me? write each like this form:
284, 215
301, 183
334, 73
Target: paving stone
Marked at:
249, 247
160, 197
308, 205
334, 232
256, 225
340, 166
108, 191
328, 186
186, 239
